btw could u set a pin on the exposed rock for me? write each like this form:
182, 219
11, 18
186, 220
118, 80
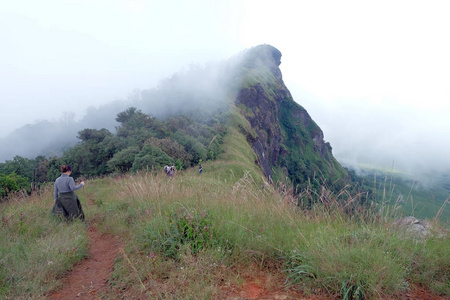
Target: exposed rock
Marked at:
265, 123
419, 228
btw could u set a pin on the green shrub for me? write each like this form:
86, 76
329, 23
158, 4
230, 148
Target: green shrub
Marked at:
192, 230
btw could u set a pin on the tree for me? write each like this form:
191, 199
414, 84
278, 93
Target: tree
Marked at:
173, 149
81, 159
123, 160
137, 127
150, 157
93, 135
40, 170
54, 168
13, 183
20, 166
90, 157
179, 164
192, 146
126, 115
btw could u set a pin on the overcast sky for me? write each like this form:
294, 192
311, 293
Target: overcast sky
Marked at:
374, 75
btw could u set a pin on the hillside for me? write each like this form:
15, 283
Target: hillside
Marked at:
224, 234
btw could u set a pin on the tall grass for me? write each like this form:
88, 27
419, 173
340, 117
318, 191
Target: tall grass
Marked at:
323, 248
36, 248
193, 235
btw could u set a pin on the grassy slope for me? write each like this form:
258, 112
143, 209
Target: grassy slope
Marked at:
244, 223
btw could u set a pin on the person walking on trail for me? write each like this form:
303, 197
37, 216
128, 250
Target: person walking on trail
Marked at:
200, 169
67, 204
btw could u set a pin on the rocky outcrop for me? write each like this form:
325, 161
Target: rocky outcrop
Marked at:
264, 121
415, 227
282, 134
419, 228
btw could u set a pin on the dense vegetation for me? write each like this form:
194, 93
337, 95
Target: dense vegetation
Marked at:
141, 142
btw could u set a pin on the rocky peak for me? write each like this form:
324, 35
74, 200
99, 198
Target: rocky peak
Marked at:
284, 137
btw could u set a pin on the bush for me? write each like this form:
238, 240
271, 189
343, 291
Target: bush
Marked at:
123, 160
192, 230
12, 183
150, 157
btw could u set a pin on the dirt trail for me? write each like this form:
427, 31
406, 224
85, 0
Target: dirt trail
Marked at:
91, 275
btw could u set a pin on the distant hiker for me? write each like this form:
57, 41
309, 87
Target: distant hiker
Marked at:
172, 171
166, 169
200, 169
67, 203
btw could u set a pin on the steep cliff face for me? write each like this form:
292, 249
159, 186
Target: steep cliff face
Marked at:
287, 142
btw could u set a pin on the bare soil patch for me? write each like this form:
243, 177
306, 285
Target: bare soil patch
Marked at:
419, 293
261, 285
